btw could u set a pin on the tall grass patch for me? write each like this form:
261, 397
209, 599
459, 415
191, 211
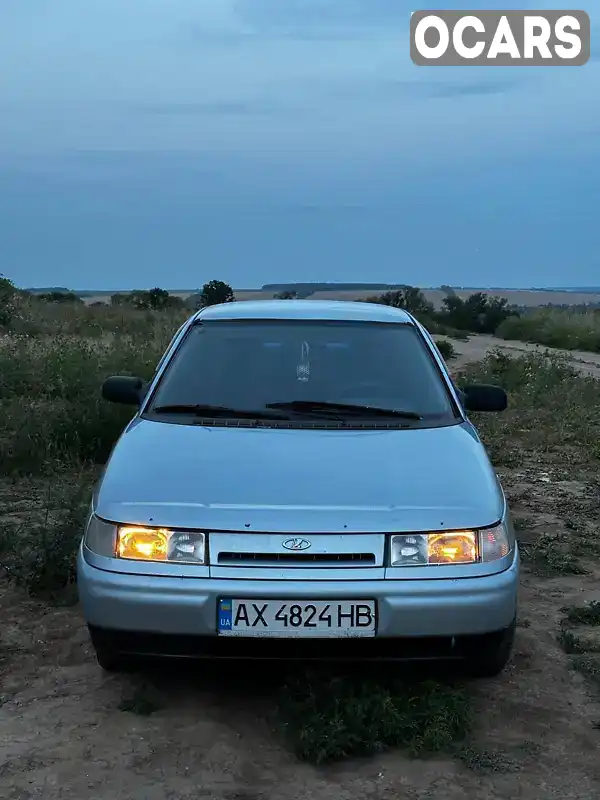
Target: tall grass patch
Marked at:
555, 327
50, 401
553, 410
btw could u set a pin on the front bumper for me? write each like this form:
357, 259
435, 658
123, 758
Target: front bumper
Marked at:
187, 607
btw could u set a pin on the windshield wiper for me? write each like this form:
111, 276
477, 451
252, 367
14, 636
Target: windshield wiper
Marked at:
347, 409
206, 410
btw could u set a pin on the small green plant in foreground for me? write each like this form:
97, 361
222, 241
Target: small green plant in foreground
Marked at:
332, 717
588, 665
446, 348
588, 614
487, 760
550, 556
142, 699
573, 644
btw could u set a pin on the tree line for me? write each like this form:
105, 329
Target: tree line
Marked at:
478, 313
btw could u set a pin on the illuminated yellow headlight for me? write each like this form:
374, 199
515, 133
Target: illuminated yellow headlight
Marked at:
139, 543
160, 544
452, 548
143, 544
449, 547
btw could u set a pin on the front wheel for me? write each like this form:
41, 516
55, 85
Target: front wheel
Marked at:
108, 656
487, 655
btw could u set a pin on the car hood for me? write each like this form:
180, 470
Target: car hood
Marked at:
299, 480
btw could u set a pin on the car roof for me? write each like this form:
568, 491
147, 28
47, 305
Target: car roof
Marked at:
340, 310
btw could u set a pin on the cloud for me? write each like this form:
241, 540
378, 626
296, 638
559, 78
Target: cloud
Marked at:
468, 89
233, 108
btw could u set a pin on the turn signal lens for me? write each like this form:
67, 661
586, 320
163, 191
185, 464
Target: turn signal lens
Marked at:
159, 544
495, 543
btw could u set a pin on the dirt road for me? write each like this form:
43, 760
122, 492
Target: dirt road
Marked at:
477, 347
64, 735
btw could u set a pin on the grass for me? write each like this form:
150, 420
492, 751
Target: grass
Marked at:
553, 413
329, 717
478, 760
555, 327
142, 699
584, 615
584, 650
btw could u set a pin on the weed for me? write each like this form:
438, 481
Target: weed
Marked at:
446, 349
551, 555
487, 760
589, 666
332, 717
552, 327
573, 644
143, 700
588, 614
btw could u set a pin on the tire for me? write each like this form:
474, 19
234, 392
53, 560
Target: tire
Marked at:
486, 656
109, 658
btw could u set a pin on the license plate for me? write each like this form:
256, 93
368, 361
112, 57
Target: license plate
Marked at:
294, 619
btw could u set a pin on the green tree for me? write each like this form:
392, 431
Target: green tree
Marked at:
214, 293
60, 297
287, 295
8, 296
410, 298
479, 313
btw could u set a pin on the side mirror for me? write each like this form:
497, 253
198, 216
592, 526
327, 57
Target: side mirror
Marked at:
124, 389
484, 397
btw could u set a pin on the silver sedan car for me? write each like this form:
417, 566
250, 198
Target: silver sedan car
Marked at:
301, 479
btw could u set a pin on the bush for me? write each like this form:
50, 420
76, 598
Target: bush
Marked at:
155, 299
446, 349
409, 298
479, 313
58, 297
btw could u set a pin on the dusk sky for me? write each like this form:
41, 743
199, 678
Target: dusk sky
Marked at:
169, 142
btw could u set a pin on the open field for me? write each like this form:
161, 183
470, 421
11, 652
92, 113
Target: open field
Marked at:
521, 298
68, 732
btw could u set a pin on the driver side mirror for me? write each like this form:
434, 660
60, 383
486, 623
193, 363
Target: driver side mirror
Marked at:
124, 389
484, 397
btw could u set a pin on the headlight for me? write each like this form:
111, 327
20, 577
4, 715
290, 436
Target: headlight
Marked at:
138, 543
449, 547
160, 544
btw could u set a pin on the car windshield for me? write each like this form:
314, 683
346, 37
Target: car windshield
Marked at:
250, 364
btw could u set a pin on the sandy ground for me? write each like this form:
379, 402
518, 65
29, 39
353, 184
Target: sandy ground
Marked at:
64, 737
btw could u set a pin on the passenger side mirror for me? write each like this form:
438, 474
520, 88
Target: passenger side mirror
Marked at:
124, 389
484, 397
